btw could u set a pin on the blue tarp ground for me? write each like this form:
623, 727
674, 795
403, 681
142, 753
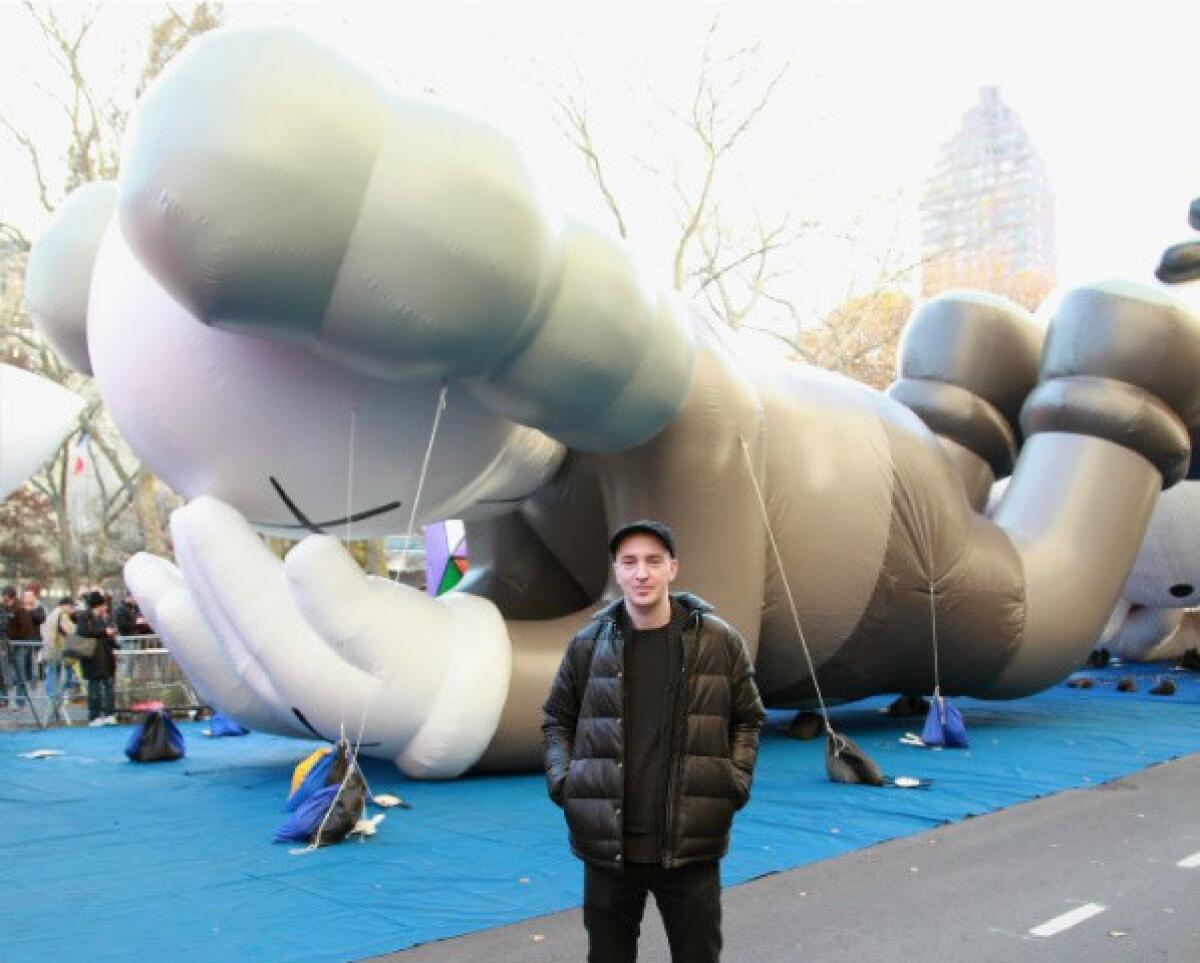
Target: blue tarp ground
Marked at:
104, 859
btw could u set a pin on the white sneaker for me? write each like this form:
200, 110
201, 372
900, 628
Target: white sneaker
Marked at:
110, 720
98, 721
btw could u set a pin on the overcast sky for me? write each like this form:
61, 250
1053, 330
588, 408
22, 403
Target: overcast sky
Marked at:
872, 89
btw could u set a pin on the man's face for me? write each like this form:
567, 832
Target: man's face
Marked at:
29, 599
8, 601
644, 570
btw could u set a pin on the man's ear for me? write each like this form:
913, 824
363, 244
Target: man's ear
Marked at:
673, 569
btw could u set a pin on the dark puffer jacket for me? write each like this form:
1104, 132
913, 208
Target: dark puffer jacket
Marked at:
714, 743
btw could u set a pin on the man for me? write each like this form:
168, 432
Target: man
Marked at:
128, 617
101, 669
8, 610
18, 626
56, 629
651, 730
31, 602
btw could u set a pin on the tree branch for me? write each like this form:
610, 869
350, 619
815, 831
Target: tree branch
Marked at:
35, 162
16, 236
579, 134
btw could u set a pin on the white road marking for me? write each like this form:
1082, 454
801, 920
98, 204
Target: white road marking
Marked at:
1067, 920
1189, 862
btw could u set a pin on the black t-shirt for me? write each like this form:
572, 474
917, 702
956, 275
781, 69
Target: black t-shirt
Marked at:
653, 660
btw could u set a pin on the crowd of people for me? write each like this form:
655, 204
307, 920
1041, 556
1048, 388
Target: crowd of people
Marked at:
61, 651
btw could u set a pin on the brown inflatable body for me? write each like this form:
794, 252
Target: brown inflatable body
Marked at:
872, 511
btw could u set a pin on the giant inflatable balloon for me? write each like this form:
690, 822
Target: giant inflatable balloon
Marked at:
36, 414
320, 281
1156, 617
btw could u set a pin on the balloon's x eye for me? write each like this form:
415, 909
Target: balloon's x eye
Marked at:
317, 528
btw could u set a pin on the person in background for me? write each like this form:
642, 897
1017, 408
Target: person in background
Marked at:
101, 669
31, 601
8, 609
18, 627
129, 618
57, 627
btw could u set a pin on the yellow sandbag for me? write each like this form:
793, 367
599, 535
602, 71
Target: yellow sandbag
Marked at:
304, 765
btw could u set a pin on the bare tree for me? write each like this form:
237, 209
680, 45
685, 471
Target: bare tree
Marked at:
92, 125
730, 263
25, 552
859, 335
748, 266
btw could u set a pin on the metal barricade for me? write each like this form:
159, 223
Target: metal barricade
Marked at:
146, 674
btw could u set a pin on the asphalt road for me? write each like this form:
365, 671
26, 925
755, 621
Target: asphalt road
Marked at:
1101, 875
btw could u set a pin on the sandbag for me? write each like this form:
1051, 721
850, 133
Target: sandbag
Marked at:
908, 705
304, 766
222, 726
944, 725
1165, 687
316, 770
806, 725
157, 739
320, 789
846, 762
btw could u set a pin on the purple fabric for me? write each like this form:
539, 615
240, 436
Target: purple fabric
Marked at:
437, 556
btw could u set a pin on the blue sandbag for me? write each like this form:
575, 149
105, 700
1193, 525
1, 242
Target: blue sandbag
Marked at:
944, 725
317, 777
300, 826
157, 739
221, 725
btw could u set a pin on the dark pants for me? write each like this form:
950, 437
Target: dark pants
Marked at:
16, 671
689, 899
100, 697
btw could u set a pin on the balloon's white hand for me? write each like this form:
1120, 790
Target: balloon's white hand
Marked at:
227, 679
329, 649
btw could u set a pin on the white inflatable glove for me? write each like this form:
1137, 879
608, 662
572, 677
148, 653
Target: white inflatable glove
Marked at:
220, 669
331, 649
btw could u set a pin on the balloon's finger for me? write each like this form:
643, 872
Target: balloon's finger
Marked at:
444, 662
384, 628
236, 576
262, 691
151, 579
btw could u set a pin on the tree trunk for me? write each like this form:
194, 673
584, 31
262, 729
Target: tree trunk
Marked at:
146, 504
377, 558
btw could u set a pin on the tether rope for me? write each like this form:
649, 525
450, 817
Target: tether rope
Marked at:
937, 674
722, 336
787, 588
349, 523
352, 761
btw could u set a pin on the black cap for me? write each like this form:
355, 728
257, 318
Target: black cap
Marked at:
646, 526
